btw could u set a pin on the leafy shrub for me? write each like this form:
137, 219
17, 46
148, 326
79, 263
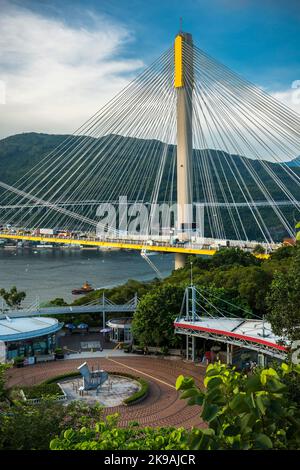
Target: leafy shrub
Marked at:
106, 435
42, 390
59, 378
140, 394
244, 412
29, 427
18, 360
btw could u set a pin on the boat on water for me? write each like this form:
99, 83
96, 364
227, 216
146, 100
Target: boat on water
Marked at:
88, 248
85, 289
69, 246
108, 248
44, 245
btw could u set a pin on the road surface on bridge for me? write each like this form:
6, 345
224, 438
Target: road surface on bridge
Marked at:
139, 246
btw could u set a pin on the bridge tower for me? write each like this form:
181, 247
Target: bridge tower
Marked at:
183, 82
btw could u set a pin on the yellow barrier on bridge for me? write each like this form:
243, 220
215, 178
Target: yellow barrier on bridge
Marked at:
121, 245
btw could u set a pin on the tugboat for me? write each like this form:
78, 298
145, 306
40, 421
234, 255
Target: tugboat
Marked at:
85, 289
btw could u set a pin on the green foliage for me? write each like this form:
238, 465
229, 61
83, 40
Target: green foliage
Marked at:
20, 153
243, 412
13, 297
251, 283
59, 351
3, 369
153, 320
139, 395
119, 294
259, 250
42, 390
18, 360
57, 302
59, 378
106, 435
283, 301
283, 253
32, 427
233, 256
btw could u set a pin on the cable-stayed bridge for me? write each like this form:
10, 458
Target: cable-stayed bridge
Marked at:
101, 306
187, 132
206, 204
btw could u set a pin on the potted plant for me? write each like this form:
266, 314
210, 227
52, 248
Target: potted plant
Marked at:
127, 348
59, 354
19, 361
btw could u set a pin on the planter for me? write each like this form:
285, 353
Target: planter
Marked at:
19, 361
38, 400
59, 356
59, 353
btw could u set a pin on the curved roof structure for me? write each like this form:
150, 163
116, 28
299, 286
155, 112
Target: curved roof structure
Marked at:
254, 334
17, 329
119, 322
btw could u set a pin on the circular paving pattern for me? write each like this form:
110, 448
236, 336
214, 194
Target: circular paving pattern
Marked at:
112, 393
162, 407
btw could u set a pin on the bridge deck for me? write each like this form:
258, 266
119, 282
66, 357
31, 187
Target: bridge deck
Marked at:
117, 244
69, 310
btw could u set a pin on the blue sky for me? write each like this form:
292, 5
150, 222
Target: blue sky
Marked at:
258, 39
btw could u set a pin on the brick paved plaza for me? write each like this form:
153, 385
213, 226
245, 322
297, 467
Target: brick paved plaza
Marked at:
162, 407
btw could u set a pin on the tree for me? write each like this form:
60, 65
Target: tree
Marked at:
259, 250
283, 252
3, 369
251, 284
213, 300
153, 320
243, 412
13, 298
283, 301
57, 302
234, 256
32, 427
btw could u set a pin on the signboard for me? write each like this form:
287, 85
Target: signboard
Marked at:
29, 361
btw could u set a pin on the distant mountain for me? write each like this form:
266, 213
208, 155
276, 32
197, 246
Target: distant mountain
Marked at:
294, 163
19, 153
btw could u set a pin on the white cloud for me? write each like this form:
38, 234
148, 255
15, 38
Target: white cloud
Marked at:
290, 97
56, 76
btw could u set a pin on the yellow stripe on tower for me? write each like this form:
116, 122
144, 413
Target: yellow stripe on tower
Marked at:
178, 75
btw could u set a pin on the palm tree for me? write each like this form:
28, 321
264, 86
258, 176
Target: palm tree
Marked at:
13, 297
